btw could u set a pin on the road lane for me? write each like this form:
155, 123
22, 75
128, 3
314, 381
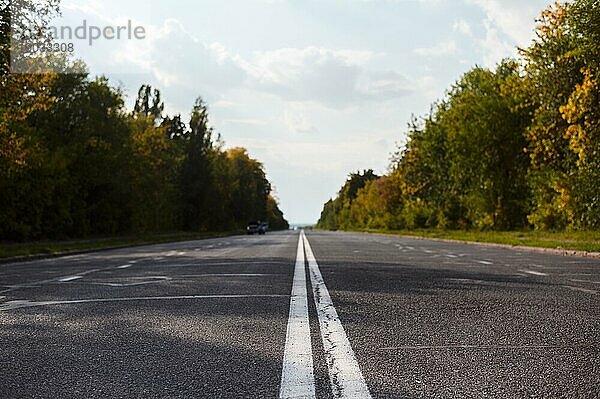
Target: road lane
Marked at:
425, 325
346, 379
421, 319
198, 319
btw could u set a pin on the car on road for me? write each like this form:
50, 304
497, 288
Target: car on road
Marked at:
259, 228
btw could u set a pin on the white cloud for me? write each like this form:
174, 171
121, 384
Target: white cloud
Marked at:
332, 77
495, 48
382, 85
296, 117
257, 122
508, 24
463, 27
335, 78
515, 18
443, 48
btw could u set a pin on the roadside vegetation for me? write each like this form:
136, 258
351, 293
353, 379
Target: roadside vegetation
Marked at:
75, 163
23, 250
584, 241
511, 149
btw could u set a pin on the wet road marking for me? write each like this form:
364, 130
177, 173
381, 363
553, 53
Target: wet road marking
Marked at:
345, 376
297, 376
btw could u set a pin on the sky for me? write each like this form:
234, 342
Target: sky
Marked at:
314, 89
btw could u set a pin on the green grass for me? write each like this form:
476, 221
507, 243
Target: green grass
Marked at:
11, 250
575, 240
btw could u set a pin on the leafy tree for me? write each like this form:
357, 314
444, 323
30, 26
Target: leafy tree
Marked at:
274, 215
250, 187
196, 176
485, 135
336, 213
562, 75
75, 163
149, 104
154, 168
505, 149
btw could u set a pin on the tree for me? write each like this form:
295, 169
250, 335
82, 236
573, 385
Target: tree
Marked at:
250, 187
149, 104
336, 213
196, 171
274, 215
486, 141
562, 75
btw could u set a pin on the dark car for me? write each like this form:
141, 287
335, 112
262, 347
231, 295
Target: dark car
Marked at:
257, 228
263, 228
252, 228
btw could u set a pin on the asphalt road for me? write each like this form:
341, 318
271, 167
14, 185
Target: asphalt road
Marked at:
329, 315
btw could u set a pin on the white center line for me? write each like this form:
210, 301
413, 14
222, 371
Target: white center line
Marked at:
485, 262
297, 377
345, 376
124, 266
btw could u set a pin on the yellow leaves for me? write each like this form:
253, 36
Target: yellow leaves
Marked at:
552, 22
150, 143
13, 149
582, 113
21, 95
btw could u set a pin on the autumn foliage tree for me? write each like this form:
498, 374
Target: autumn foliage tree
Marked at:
509, 148
74, 162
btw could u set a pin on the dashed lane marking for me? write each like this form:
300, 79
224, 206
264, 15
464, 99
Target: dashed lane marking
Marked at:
69, 278
534, 273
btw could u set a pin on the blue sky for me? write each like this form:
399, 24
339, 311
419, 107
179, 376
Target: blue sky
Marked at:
313, 89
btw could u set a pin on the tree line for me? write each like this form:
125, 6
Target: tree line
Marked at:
511, 148
74, 162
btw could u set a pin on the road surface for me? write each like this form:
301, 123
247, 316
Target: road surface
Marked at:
325, 315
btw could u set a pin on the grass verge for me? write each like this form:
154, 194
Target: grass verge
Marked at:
574, 240
14, 250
